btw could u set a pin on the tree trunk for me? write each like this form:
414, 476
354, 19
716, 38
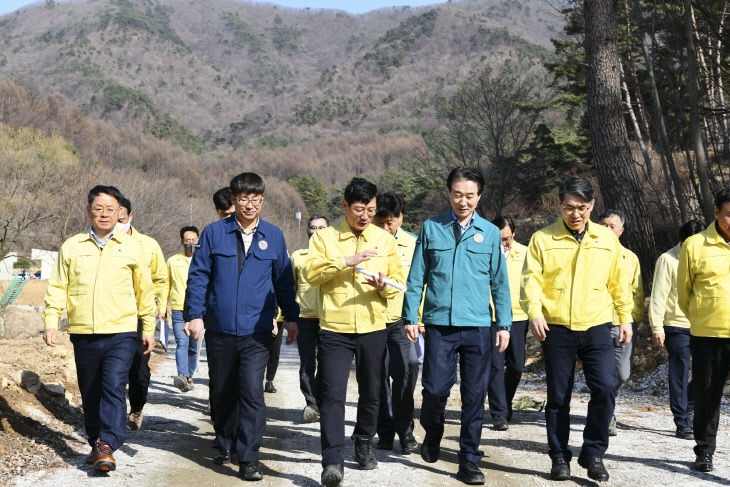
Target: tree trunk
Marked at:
640, 105
663, 138
615, 167
694, 119
634, 123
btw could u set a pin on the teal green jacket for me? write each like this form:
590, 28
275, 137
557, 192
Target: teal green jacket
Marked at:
458, 278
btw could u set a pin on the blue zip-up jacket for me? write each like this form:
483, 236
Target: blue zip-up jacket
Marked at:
458, 278
240, 304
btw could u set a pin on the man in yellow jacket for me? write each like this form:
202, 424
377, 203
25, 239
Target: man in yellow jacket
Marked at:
506, 368
308, 324
102, 279
571, 284
670, 329
703, 288
352, 317
624, 354
140, 373
186, 348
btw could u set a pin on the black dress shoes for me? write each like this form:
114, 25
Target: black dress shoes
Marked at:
685, 433
251, 471
224, 456
470, 474
596, 470
560, 470
269, 387
408, 444
703, 463
332, 475
500, 423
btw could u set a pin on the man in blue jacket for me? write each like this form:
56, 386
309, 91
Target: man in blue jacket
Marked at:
458, 259
239, 274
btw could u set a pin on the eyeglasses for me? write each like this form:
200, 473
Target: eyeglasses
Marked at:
245, 201
316, 228
581, 210
360, 210
101, 211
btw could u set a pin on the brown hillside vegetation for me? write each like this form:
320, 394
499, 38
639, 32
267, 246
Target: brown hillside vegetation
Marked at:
229, 74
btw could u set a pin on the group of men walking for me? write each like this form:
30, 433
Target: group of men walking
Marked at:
471, 293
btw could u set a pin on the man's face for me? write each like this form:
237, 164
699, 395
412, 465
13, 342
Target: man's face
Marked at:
507, 237
464, 198
614, 223
124, 216
576, 212
103, 213
389, 223
723, 218
359, 214
190, 237
225, 213
315, 225
248, 206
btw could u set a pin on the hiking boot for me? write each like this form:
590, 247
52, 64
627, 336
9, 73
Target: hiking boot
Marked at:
190, 383
431, 448
223, 456
408, 444
500, 423
594, 465
310, 414
364, 454
470, 474
703, 463
103, 460
612, 427
332, 475
685, 433
560, 469
250, 471
135, 420
180, 381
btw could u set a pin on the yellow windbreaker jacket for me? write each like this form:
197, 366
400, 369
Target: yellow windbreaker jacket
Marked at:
104, 291
346, 305
664, 305
156, 261
632, 277
405, 245
177, 280
307, 295
571, 284
703, 283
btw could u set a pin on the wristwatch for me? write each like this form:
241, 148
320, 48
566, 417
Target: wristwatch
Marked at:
503, 328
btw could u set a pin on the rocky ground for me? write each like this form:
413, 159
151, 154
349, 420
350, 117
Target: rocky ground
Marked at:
41, 441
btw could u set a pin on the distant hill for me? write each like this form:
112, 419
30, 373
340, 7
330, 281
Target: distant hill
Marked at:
216, 74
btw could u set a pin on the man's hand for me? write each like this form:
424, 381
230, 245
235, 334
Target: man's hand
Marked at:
378, 282
292, 331
49, 336
194, 328
412, 332
658, 339
625, 332
360, 257
148, 341
275, 330
502, 340
161, 316
539, 328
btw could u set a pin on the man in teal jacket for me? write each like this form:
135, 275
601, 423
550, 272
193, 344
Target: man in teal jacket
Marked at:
458, 259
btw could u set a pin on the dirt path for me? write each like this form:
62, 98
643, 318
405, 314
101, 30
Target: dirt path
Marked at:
173, 448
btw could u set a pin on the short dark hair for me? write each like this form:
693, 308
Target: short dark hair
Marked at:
189, 228
722, 197
390, 204
222, 199
318, 217
610, 213
465, 173
124, 201
247, 183
101, 189
502, 221
576, 186
360, 190
690, 228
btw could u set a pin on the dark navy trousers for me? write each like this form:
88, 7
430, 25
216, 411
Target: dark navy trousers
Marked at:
139, 374
396, 397
681, 397
236, 365
307, 342
506, 370
472, 347
710, 365
102, 367
594, 347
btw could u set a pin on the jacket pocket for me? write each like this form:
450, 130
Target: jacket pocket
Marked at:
337, 307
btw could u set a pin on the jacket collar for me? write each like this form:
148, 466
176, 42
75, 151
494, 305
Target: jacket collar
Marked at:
345, 232
232, 225
479, 223
712, 236
559, 230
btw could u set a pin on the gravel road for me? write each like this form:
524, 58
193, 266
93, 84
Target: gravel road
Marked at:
173, 447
